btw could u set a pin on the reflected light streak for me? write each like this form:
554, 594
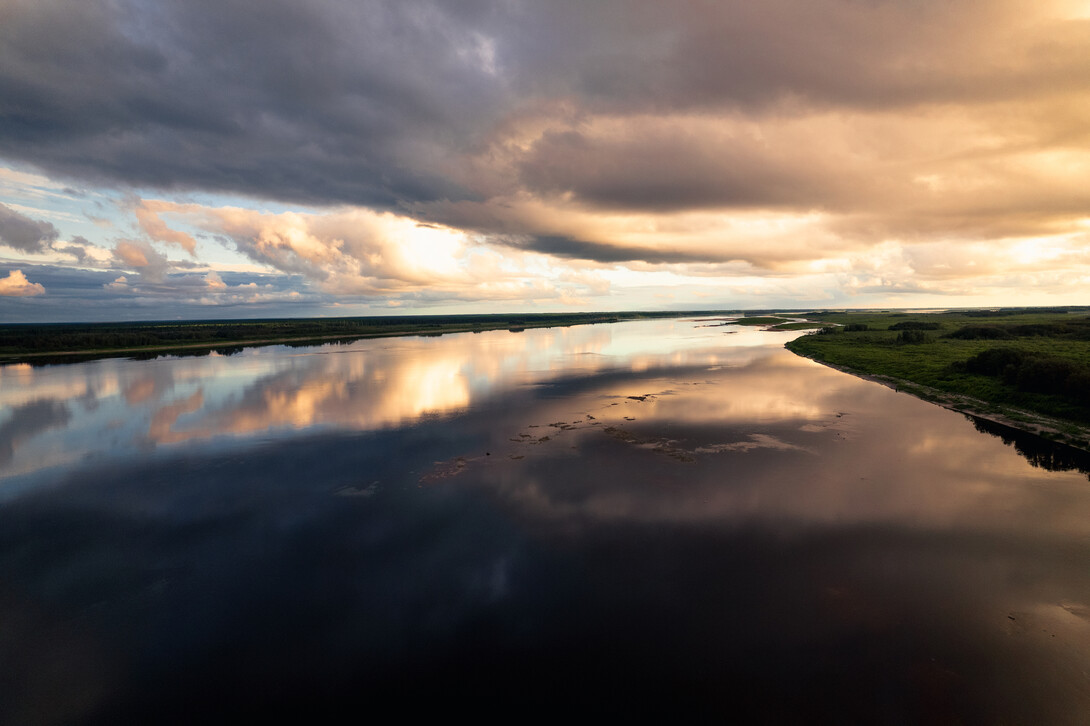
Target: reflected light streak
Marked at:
856, 452
368, 385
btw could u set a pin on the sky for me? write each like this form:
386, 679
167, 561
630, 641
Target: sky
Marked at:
198, 159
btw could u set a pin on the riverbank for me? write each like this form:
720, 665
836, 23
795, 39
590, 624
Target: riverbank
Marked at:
1053, 429
949, 359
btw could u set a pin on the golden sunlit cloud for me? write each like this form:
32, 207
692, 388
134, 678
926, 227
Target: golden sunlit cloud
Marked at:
16, 284
356, 251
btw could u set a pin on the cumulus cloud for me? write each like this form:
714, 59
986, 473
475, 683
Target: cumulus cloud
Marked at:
359, 252
16, 284
140, 256
120, 284
23, 233
154, 227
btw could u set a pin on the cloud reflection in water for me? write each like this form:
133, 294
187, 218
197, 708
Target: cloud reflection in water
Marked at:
646, 509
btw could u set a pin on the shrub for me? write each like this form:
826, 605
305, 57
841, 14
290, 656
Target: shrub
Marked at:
1039, 329
1045, 375
981, 332
1078, 387
914, 325
1033, 372
913, 337
994, 361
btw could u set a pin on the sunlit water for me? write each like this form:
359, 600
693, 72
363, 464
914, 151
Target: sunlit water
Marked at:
649, 518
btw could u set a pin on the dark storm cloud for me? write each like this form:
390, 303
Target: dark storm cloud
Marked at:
561, 246
23, 233
665, 169
379, 103
319, 101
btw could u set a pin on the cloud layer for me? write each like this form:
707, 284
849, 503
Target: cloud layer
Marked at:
731, 138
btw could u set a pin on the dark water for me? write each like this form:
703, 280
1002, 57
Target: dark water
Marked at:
651, 519
1036, 450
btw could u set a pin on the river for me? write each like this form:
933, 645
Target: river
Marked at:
663, 518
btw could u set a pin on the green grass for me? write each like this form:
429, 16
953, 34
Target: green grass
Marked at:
937, 363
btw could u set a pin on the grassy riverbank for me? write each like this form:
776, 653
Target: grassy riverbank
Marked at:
1026, 368
70, 342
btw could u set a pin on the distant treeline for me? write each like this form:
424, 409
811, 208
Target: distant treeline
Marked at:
24, 339
1007, 312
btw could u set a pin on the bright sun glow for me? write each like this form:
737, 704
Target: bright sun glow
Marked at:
1037, 250
1078, 10
435, 250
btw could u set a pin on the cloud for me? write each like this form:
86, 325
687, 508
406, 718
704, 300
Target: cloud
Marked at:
131, 254
200, 95
141, 256
214, 281
563, 246
81, 294
17, 285
24, 233
384, 103
77, 248
715, 140
120, 284
154, 227
667, 164
357, 252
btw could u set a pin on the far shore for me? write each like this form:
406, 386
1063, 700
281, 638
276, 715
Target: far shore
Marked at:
77, 342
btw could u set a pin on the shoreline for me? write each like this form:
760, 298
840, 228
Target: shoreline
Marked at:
7, 358
74, 356
1048, 428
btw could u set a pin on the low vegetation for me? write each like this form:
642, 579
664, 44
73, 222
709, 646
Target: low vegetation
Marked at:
1020, 362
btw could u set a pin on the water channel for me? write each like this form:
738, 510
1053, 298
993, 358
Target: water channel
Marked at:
672, 517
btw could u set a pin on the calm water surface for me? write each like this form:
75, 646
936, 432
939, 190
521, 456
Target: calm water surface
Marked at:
654, 518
